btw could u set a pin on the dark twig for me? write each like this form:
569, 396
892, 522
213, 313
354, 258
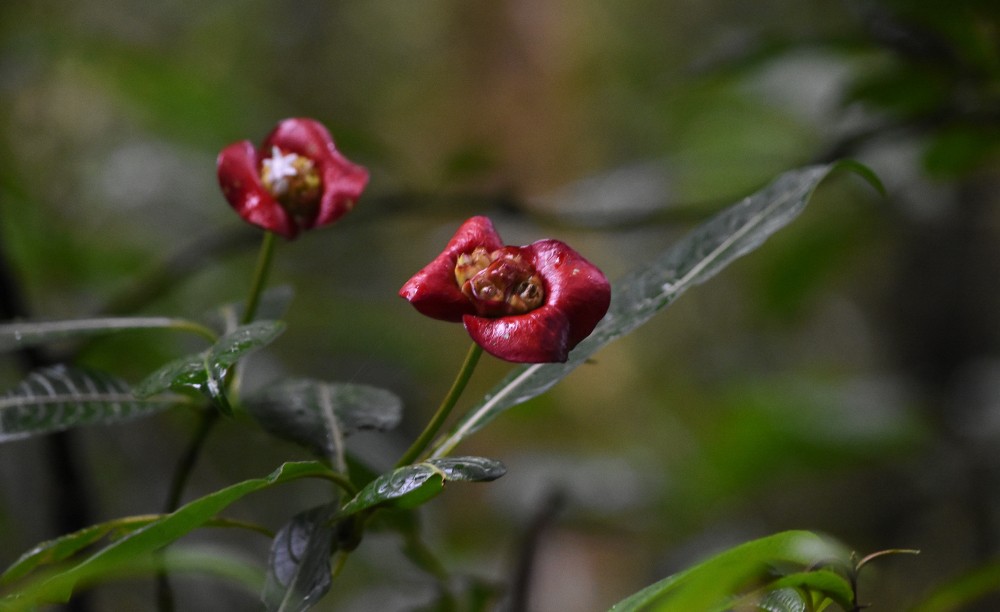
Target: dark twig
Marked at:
527, 553
71, 502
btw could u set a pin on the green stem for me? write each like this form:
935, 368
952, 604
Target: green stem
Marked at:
341, 481
421, 443
209, 416
259, 276
196, 328
207, 419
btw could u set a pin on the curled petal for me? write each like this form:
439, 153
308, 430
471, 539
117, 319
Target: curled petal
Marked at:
239, 176
574, 294
539, 336
339, 185
433, 290
573, 285
343, 181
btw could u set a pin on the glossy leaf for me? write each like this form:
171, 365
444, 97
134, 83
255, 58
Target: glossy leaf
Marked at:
319, 415
61, 397
700, 255
963, 592
135, 546
412, 485
712, 584
205, 372
825, 582
298, 568
14, 336
203, 561
64, 547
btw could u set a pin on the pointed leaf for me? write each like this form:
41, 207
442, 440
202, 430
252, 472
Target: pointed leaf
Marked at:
65, 546
713, 583
319, 415
205, 372
649, 289
205, 561
298, 568
166, 530
60, 397
412, 485
25, 334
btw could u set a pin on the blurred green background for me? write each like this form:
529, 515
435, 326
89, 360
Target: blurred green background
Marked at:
844, 378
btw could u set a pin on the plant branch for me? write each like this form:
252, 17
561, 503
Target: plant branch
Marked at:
464, 374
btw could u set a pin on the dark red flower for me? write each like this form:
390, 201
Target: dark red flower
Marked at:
529, 304
296, 180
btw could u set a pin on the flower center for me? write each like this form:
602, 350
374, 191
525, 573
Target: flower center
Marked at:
500, 283
293, 181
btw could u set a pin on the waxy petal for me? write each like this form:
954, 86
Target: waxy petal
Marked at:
539, 336
343, 181
239, 168
573, 285
433, 290
576, 297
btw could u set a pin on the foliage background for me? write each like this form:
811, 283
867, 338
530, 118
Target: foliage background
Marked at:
844, 378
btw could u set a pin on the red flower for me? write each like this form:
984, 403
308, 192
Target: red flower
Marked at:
296, 181
529, 304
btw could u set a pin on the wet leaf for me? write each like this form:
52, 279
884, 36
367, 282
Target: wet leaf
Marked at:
699, 256
298, 568
205, 372
62, 397
412, 485
319, 415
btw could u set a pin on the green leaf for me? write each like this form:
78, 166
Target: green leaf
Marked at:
60, 397
298, 568
700, 255
14, 336
65, 546
133, 547
205, 372
202, 561
318, 415
782, 600
826, 582
962, 592
713, 583
412, 485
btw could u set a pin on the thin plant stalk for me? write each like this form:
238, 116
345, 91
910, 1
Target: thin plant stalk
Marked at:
209, 416
464, 374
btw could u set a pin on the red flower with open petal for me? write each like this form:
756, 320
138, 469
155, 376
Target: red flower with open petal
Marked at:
529, 304
296, 181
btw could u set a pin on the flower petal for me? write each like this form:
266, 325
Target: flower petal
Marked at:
343, 181
433, 291
539, 336
573, 285
237, 168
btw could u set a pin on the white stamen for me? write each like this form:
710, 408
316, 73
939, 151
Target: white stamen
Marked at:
278, 168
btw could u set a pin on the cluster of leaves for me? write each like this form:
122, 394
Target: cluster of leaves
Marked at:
307, 550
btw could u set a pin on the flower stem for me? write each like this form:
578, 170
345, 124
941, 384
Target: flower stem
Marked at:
264, 257
421, 443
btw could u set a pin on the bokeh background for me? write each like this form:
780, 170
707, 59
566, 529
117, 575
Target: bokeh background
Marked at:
844, 378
